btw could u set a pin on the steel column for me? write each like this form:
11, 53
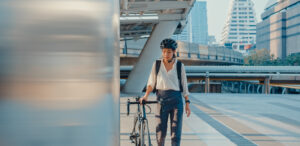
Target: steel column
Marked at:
207, 85
267, 85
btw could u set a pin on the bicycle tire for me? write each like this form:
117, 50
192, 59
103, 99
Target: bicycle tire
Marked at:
142, 134
136, 141
139, 134
136, 134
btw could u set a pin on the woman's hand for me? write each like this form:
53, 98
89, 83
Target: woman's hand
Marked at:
187, 109
143, 98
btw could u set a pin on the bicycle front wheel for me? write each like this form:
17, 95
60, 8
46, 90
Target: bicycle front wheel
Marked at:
142, 134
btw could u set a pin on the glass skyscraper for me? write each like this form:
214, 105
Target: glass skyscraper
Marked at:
196, 30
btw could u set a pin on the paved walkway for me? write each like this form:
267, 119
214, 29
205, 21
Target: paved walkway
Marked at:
231, 119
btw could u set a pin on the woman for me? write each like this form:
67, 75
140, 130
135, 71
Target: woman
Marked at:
170, 88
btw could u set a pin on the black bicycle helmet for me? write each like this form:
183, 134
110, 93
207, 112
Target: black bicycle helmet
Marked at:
168, 43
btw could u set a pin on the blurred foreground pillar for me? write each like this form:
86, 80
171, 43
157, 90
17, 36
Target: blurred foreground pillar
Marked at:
59, 72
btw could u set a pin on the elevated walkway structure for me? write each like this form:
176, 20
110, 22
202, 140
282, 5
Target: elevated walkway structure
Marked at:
264, 75
138, 18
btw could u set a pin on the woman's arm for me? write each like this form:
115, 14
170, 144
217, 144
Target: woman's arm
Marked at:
148, 91
185, 91
187, 106
150, 84
186, 98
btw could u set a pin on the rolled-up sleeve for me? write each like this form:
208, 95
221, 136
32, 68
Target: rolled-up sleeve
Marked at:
151, 79
184, 82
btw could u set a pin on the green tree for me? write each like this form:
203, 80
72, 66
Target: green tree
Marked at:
258, 57
263, 58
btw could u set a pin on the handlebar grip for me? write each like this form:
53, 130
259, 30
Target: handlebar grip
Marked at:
143, 102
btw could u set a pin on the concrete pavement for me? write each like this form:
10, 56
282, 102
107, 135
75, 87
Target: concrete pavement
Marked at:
230, 119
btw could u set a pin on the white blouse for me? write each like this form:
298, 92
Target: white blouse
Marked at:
168, 80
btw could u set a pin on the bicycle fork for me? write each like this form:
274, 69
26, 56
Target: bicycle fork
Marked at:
148, 131
145, 121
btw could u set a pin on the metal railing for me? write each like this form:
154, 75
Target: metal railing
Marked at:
195, 52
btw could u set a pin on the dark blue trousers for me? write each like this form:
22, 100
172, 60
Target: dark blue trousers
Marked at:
171, 105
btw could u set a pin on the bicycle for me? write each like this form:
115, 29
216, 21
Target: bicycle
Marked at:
138, 137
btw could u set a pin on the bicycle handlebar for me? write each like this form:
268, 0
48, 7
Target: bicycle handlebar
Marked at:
137, 102
144, 102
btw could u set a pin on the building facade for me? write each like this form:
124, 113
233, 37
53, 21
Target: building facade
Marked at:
279, 30
196, 31
212, 40
240, 27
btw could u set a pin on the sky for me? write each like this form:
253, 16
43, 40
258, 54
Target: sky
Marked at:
217, 11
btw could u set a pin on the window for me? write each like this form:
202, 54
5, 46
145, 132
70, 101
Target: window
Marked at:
232, 38
241, 47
